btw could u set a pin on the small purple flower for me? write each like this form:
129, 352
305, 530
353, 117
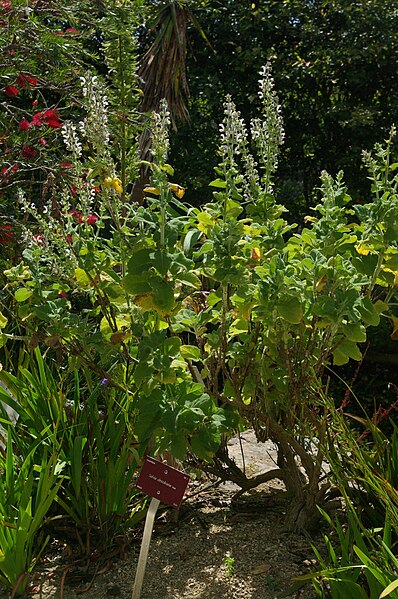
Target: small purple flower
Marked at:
104, 381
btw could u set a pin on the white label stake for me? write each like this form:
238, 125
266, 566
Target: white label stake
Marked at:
146, 539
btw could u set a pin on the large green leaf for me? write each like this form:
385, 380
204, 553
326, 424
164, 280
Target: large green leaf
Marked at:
163, 297
355, 332
22, 294
369, 312
291, 310
136, 284
345, 350
190, 352
139, 262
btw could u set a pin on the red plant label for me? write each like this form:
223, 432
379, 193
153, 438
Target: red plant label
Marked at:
163, 482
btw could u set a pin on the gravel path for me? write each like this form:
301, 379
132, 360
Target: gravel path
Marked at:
217, 550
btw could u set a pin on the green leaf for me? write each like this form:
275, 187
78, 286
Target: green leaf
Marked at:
191, 238
161, 261
163, 297
239, 326
392, 262
167, 168
369, 313
168, 376
391, 587
219, 183
82, 278
22, 294
3, 321
142, 372
346, 349
366, 264
355, 332
381, 306
205, 219
233, 209
190, 352
214, 298
136, 285
178, 447
189, 279
172, 346
291, 310
139, 262
77, 456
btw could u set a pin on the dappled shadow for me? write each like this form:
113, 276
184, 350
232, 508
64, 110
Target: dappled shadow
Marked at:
193, 562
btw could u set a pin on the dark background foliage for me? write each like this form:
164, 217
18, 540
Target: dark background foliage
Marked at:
334, 65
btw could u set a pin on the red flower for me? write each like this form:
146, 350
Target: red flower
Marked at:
96, 189
54, 123
37, 119
24, 125
62, 294
71, 30
28, 152
4, 173
91, 219
5, 7
69, 238
23, 80
35, 102
11, 91
51, 117
8, 171
76, 216
65, 165
42, 141
39, 239
6, 234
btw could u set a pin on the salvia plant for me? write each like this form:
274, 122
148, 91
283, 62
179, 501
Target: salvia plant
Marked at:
205, 319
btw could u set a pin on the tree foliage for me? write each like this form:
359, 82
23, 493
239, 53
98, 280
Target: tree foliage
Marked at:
334, 64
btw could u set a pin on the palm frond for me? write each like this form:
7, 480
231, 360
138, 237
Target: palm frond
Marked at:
162, 69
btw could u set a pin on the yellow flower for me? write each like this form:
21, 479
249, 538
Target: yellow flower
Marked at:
117, 185
154, 190
177, 190
256, 254
363, 249
108, 182
113, 183
174, 187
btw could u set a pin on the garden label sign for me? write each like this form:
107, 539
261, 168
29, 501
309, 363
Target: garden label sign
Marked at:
163, 483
